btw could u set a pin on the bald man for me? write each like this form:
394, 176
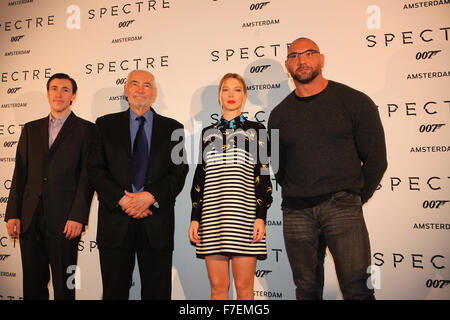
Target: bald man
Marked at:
131, 169
332, 158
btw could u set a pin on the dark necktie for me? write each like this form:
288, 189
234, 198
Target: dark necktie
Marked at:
140, 156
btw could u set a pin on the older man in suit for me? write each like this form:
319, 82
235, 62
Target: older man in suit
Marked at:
50, 197
137, 180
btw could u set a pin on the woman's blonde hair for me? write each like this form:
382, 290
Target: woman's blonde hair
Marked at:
234, 76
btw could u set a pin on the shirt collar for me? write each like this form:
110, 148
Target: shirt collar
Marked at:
146, 115
61, 119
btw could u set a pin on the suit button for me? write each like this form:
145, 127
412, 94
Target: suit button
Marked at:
45, 180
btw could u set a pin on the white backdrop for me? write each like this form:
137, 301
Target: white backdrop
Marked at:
395, 51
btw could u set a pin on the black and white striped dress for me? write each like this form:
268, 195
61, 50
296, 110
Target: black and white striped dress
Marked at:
228, 191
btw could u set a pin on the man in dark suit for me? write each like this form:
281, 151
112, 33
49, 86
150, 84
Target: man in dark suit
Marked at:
50, 197
137, 179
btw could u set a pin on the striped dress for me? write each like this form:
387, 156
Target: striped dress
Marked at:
228, 191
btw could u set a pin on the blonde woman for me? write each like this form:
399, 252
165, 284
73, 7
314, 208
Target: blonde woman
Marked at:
230, 195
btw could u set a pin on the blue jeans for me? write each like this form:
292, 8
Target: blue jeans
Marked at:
337, 223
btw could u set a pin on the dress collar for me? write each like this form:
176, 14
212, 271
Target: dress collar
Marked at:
231, 124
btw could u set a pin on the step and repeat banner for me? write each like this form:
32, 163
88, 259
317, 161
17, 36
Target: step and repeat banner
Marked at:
397, 52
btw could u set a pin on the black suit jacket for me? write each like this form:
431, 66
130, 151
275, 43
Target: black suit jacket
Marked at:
57, 176
110, 173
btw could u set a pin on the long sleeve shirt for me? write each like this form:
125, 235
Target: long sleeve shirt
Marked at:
328, 142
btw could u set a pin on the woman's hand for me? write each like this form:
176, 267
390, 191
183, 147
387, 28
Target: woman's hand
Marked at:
193, 232
259, 229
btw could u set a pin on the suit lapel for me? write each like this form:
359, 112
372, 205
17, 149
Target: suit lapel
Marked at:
123, 138
66, 130
43, 133
123, 128
157, 135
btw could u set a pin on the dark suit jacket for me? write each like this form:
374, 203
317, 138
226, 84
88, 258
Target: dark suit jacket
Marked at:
109, 171
57, 176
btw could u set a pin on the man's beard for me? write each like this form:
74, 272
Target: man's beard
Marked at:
306, 79
142, 104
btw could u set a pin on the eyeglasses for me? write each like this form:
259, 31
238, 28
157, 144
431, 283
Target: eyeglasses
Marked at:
308, 54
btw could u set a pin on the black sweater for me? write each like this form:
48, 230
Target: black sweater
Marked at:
329, 142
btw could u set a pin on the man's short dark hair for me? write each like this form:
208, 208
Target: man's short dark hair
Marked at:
63, 76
